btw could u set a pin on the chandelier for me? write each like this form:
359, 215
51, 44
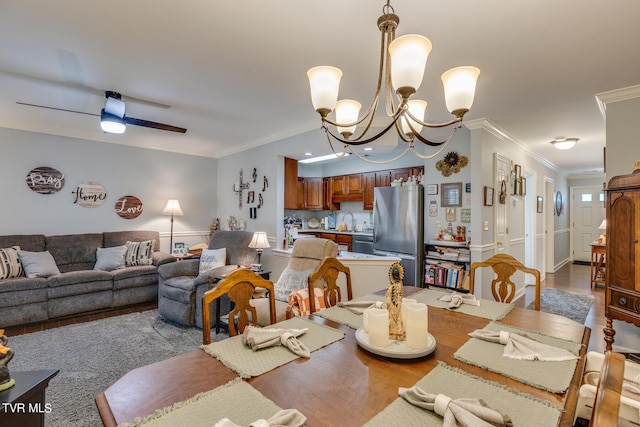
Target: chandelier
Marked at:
402, 64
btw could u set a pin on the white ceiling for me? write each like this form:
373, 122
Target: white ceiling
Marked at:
234, 72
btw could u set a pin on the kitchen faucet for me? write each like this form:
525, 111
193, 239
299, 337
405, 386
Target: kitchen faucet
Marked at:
353, 220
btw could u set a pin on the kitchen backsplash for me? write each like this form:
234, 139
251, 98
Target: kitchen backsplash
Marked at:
363, 219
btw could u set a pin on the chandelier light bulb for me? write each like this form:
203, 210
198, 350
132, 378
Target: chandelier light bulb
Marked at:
408, 59
417, 108
347, 111
460, 88
324, 82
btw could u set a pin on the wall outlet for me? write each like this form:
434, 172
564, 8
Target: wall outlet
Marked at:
438, 225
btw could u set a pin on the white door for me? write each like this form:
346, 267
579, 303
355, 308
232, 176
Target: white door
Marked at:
501, 167
587, 213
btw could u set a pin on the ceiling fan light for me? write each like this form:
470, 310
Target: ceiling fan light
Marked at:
347, 111
324, 82
408, 59
460, 88
564, 143
111, 124
417, 108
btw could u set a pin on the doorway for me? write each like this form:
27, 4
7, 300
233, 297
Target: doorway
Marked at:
587, 213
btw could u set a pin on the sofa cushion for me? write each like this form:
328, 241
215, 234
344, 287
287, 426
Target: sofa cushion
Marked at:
139, 253
108, 259
38, 264
237, 245
27, 242
74, 252
22, 290
75, 283
212, 258
10, 265
133, 277
22, 283
119, 238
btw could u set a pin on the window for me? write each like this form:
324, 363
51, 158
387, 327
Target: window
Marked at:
586, 198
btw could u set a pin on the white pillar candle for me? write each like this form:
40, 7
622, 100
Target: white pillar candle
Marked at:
403, 313
379, 327
417, 325
365, 320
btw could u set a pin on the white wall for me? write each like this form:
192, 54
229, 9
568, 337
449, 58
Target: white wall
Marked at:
152, 176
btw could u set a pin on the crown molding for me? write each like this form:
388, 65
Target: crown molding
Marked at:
616, 95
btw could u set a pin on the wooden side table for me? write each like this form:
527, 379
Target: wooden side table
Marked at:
24, 403
598, 253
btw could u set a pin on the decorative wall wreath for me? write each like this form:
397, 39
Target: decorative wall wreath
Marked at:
452, 163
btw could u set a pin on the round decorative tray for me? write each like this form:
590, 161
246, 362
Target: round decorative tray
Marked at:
313, 223
395, 349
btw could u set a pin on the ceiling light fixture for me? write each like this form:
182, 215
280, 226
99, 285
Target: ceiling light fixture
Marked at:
112, 115
562, 143
402, 64
322, 158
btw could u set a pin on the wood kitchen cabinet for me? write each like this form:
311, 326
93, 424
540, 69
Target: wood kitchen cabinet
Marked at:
383, 178
345, 240
369, 180
347, 188
313, 193
290, 183
622, 258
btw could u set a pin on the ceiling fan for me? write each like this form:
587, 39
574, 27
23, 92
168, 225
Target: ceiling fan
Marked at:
113, 118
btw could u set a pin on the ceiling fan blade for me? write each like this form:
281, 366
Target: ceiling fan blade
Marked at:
56, 108
154, 125
80, 87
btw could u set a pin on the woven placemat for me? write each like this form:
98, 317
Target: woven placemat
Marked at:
487, 309
236, 400
248, 363
347, 317
524, 409
552, 376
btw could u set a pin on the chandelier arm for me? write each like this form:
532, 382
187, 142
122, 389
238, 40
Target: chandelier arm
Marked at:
378, 162
366, 141
368, 114
434, 125
430, 156
388, 87
435, 144
344, 151
401, 133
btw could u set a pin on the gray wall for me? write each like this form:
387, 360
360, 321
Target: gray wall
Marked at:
152, 176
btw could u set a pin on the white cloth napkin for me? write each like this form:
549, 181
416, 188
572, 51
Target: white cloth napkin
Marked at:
523, 348
456, 299
282, 418
458, 412
358, 307
258, 338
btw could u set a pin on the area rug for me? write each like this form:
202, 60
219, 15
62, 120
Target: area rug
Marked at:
568, 304
93, 355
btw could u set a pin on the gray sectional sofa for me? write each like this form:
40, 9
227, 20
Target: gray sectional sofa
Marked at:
78, 288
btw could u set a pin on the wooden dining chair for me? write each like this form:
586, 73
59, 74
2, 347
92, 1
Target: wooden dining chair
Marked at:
606, 405
239, 286
502, 287
326, 275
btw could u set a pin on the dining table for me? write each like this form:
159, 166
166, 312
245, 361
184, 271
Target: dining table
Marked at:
342, 384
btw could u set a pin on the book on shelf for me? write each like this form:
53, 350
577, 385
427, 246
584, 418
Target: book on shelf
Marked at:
446, 275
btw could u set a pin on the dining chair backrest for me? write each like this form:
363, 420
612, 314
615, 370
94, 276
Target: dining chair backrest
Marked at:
326, 276
607, 401
240, 286
502, 287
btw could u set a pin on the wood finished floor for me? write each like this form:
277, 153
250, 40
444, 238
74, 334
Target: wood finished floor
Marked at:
571, 277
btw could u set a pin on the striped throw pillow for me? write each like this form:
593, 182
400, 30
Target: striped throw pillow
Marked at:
10, 265
139, 253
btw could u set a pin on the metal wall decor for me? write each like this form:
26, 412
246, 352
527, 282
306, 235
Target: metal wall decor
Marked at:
239, 187
128, 207
558, 203
252, 201
452, 163
45, 180
89, 195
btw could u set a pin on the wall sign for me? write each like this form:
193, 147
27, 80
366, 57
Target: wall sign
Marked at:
89, 195
128, 207
45, 180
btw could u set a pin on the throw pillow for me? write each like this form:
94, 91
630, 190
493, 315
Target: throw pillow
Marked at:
289, 281
38, 264
139, 253
10, 265
212, 258
108, 259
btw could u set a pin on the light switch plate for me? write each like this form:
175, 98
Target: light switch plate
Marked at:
485, 226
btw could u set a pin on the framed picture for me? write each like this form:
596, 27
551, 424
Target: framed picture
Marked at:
450, 214
539, 205
179, 248
432, 189
488, 196
451, 195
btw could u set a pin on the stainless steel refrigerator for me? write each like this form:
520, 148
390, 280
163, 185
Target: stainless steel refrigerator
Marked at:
399, 228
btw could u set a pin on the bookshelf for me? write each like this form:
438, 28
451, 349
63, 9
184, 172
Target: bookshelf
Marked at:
447, 265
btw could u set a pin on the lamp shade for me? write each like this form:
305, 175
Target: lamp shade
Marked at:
417, 107
460, 88
110, 123
324, 82
408, 58
603, 224
172, 208
259, 240
347, 111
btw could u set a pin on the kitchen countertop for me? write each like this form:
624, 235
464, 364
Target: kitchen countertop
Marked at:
352, 233
347, 256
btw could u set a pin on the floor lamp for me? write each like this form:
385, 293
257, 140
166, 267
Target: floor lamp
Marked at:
172, 208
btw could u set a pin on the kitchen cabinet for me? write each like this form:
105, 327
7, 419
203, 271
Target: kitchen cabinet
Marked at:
347, 188
622, 257
383, 178
369, 180
290, 183
345, 240
300, 193
313, 193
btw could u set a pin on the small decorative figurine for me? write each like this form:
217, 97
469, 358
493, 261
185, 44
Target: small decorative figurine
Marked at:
393, 299
5, 357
